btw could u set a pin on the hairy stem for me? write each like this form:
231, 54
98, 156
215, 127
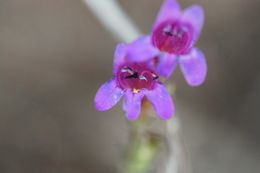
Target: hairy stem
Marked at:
142, 149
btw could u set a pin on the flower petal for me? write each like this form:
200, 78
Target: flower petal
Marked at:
141, 49
166, 64
119, 56
108, 95
170, 10
161, 101
132, 104
194, 67
195, 16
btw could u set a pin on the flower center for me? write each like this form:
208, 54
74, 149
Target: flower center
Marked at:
172, 37
136, 76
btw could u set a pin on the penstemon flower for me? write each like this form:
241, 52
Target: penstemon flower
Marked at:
173, 36
135, 81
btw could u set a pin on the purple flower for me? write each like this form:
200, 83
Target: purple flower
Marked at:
174, 33
135, 81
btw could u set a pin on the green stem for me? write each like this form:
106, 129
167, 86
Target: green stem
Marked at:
142, 150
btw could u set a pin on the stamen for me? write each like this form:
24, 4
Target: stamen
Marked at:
128, 70
181, 31
167, 30
168, 33
135, 75
142, 78
155, 76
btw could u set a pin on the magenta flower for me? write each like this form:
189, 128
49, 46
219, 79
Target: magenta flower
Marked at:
135, 81
173, 36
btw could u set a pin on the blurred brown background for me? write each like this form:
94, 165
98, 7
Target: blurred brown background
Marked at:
54, 54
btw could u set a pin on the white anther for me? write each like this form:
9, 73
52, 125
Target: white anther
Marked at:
155, 76
167, 28
142, 78
181, 31
127, 69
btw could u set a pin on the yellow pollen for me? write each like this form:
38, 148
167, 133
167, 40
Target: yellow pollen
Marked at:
136, 90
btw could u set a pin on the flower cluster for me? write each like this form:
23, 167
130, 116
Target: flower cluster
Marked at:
138, 65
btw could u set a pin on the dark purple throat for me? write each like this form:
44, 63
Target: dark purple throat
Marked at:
136, 76
172, 37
